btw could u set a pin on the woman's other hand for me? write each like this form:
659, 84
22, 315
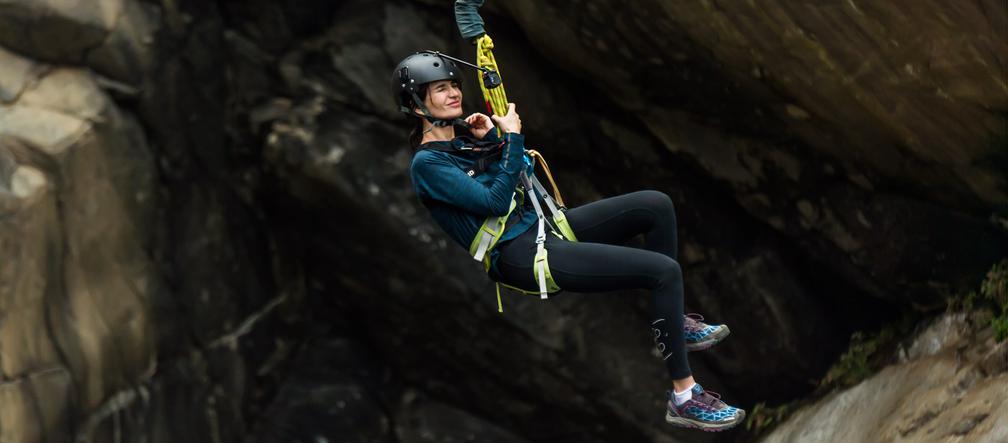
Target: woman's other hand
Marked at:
510, 122
479, 124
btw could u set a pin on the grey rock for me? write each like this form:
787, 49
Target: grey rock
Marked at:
927, 396
75, 273
113, 36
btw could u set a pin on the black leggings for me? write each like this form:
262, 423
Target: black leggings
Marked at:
597, 263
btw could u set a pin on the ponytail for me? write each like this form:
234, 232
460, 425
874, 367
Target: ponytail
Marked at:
416, 134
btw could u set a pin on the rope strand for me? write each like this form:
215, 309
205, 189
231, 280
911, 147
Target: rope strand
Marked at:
497, 102
549, 175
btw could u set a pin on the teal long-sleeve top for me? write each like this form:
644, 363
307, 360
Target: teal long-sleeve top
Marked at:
460, 203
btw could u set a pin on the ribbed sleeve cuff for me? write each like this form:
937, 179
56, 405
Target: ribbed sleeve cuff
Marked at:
512, 158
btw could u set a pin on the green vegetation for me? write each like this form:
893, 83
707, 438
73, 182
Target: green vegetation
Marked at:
866, 353
762, 417
1000, 325
966, 303
993, 295
995, 289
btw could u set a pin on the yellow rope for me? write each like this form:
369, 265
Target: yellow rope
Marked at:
497, 103
495, 98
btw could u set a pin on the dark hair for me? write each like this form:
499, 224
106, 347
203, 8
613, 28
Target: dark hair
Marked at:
417, 133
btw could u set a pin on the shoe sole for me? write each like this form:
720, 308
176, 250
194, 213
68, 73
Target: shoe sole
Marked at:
714, 339
706, 427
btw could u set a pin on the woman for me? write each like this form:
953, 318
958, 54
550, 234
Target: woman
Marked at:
464, 180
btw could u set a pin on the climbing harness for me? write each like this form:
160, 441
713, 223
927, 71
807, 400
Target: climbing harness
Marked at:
491, 151
470, 25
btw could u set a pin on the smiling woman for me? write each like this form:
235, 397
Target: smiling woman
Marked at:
476, 187
444, 99
429, 86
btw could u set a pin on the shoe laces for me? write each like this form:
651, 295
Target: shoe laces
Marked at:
693, 321
710, 400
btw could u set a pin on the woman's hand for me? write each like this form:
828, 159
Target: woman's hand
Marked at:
479, 124
510, 122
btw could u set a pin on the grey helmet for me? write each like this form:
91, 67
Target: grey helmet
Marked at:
416, 70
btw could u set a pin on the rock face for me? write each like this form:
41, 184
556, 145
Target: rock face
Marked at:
111, 36
950, 381
208, 233
78, 201
817, 115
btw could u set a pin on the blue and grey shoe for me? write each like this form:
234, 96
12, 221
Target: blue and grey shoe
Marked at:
700, 335
705, 411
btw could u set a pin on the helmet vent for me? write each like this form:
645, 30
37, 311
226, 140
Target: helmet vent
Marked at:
436, 64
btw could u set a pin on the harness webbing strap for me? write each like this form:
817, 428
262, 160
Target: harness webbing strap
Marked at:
500, 306
491, 231
540, 260
558, 214
484, 243
546, 197
541, 267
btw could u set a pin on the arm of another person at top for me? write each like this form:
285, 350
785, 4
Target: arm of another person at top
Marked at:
440, 179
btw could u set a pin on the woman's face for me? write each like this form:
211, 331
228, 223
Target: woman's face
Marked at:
444, 99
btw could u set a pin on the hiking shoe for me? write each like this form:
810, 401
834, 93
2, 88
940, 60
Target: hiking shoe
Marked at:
705, 411
700, 335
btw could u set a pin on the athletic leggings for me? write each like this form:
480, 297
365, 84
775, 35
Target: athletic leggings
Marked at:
597, 262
